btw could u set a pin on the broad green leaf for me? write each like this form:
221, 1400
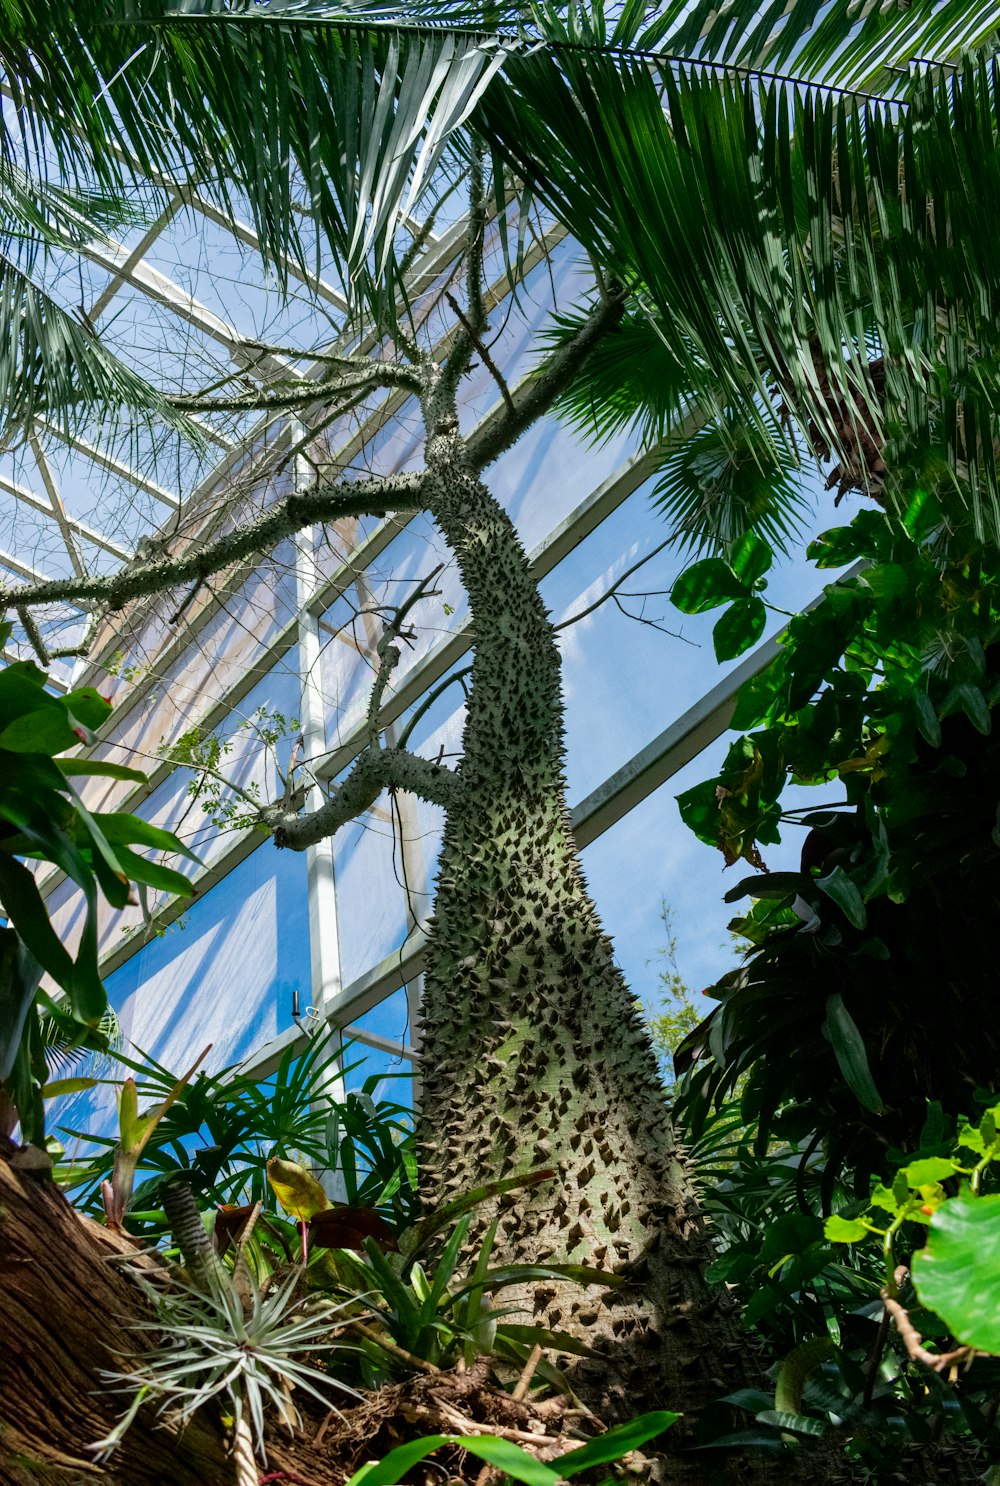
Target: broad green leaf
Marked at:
956, 1274
296, 1189
502, 1453
793, 1372
927, 718
844, 1230
750, 557
932, 1169
74, 766
616, 1442
740, 627
25, 908
49, 730
61, 1086
132, 830
769, 885
706, 585
839, 887
799, 1423
852, 1058
837, 547
19, 975
970, 700
971, 1138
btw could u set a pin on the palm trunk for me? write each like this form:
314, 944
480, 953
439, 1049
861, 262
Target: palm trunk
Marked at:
534, 1052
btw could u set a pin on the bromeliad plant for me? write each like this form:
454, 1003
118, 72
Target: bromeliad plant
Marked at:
225, 1340
43, 819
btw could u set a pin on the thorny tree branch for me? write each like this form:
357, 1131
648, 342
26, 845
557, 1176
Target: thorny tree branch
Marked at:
329, 500
372, 772
484, 354
388, 650
377, 374
544, 389
473, 324
322, 502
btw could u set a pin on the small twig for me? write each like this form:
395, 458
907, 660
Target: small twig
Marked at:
188, 598
320, 1434
519, 1393
388, 1345
484, 354
388, 651
524, 1381
457, 1422
912, 1339
288, 1476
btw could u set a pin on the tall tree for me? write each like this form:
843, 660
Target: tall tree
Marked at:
777, 238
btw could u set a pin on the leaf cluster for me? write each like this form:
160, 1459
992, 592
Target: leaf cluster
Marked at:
44, 819
221, 1129
860, 995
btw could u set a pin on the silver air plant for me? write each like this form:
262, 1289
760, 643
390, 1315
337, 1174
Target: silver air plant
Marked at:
230, 1342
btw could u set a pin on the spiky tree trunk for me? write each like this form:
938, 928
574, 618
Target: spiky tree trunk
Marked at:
534, 1053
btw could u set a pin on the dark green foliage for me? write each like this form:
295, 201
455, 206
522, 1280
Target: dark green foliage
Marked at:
861, 996
810, 1290
516, 1463
43, 819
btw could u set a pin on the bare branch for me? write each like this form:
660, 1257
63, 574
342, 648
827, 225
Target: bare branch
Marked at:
474, 322
615, 586
325, 500
484, 354
388, 648
374, 771
369, 376
911, 1338
552, 380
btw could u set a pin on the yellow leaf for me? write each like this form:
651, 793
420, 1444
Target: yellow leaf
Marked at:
296, 1189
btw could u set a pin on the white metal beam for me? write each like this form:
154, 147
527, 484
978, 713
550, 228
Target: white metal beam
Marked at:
111, 464
90, 533
58, 509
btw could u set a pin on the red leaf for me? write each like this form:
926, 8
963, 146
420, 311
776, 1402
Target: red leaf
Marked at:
348, 1227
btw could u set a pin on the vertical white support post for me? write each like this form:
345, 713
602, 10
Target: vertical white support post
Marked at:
324, 944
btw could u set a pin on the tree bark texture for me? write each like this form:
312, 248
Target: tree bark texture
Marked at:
65, 1309
534, 1053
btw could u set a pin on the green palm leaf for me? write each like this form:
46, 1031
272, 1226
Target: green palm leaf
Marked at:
871, 47
831, 254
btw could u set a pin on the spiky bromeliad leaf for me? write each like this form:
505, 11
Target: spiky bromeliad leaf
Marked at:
215, 1349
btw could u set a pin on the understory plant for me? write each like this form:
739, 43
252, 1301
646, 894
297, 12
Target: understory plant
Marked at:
44, 820
851, 1007
849, 1044
220, 1129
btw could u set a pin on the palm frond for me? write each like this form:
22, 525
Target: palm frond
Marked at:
263, 105
833, 254
722, 481
631, 380
52, 365
839, 42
